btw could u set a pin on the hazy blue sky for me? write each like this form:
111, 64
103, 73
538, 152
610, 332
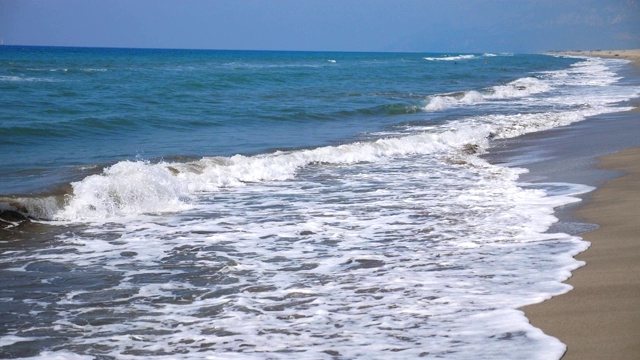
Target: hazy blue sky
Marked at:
343, 25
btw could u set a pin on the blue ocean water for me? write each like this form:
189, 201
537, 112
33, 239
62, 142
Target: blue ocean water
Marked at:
70, 108
254, 204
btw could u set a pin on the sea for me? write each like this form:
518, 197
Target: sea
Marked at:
201, 204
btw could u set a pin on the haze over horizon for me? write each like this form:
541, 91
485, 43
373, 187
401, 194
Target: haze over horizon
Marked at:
330, 25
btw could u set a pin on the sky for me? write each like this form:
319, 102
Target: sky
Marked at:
519, 26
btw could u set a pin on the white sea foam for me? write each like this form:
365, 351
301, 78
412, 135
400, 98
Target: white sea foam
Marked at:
126, 188
594, 77
460, 57
450, 58
90, 70
59, 355
65, 70
444, 101
516, 89
591, 72
12, 78
348, 260
10, 340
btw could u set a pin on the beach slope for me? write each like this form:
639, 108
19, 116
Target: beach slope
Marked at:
630, 54
600, 317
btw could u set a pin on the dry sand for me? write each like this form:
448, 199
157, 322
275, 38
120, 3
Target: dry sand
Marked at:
629, 54
600, 317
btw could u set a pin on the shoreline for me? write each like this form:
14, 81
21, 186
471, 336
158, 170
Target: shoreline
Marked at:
600, 317
628, 54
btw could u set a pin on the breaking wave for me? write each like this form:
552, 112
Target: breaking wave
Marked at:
518, 88
451, 58
130, 188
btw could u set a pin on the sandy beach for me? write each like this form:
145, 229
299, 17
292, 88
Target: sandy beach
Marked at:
630, 54
600, 317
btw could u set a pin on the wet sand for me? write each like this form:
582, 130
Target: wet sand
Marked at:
600, 317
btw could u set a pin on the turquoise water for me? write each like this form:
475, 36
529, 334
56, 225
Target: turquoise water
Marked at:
282, 205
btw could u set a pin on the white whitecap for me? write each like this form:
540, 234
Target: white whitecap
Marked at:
450, 58
444, 101
518, 88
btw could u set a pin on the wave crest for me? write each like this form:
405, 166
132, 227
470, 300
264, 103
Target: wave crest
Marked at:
131, 188
450, 58
518, 88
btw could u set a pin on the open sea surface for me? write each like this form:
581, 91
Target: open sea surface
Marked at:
178, 204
